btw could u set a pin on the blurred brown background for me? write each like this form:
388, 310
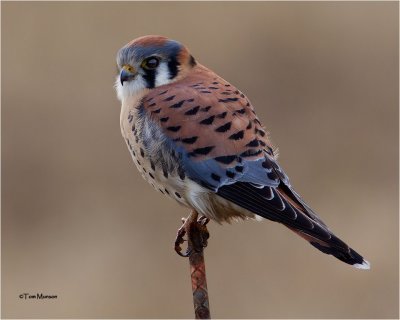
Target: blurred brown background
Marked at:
79, 222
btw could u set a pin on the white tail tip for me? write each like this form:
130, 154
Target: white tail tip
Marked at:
365, 265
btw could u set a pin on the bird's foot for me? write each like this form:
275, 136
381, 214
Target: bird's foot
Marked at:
196, 232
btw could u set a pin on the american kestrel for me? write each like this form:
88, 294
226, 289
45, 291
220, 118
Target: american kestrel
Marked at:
197, 139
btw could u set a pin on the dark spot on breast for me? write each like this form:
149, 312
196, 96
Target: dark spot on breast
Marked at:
215, 177
174, 129
208, 120
178, 195
226, 159
237, 136
130, 118
151, 176
144, 170
166, 191
189, 140
178, 104
161, 191
201, 151
228, 100
230, 174
141, 152
165, 173
224, 127
222, 115
164, 119
169, 98
138, 162
192, 111
253, 143
133, 128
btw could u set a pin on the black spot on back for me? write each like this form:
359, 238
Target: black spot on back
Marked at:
189, 140
250, 153
174, 129
226, 159
169, 98
230, 174
224, 127
222, 115
208, 120
253, 143
201, 151
215, 177
192, 111
164, 119
205, 109
178, 104
237, 136
228, 100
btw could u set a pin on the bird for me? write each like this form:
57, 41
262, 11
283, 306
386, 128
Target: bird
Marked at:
196, 138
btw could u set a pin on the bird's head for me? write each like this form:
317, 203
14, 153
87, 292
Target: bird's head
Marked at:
151, 61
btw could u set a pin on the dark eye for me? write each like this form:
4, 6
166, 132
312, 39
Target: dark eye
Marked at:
150, 63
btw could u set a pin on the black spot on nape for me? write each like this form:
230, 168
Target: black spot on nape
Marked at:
239, 168
208, 120
226, 159
164, 119
178, 195
192, 61
237, 136
205, 109
201, 151
192, 111
251, 153
224, 127
215, 177
141, 152
173, 65
230, 174
228, 100
156, 111
169, 98
174, 129
253, 143
189, 140
222, 115
178, 104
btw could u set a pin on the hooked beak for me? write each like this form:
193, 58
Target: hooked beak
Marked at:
127, 73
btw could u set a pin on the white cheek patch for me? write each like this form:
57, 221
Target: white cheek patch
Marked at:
130, 88
162, 76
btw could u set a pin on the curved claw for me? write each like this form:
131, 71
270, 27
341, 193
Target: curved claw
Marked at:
197, 235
